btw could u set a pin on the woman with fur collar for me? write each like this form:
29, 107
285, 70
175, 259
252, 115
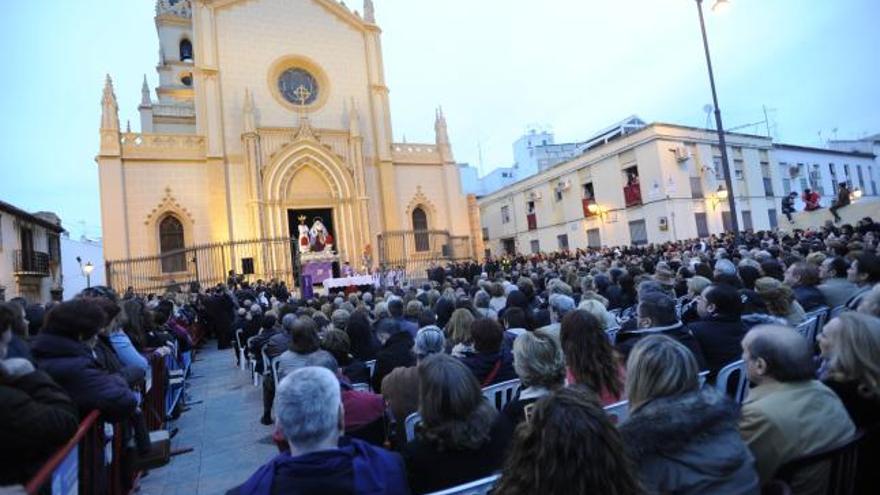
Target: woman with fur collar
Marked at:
682, 439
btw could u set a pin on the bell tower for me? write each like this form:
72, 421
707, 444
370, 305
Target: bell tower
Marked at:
174, 112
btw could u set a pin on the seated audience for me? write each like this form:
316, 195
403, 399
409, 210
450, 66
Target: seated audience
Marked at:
590, 359
304, 342
540, 366
515, 324
656, 316
490, 362
65, 351
363, 341
397, 344
788, 413
36, 415
803, 278
720, 329
567, 446
779, 300
864, 272
835, 287
598, 310
400, 388
870, 304
458, 439
683, 439
320, 460
337, 344
850, 346
458, 333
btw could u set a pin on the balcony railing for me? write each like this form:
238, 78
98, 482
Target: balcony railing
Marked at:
632, 194
31, 263
585, 203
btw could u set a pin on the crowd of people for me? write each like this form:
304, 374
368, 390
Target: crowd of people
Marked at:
63, 360
581, 330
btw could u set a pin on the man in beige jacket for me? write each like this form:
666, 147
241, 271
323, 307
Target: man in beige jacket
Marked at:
788, 414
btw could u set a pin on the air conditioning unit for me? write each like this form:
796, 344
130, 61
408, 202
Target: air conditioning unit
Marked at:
563, 185
682, 153
535, 196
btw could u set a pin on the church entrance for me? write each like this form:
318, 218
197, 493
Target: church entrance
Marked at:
313, 219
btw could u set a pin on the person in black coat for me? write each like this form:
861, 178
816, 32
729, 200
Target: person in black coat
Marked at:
36, 416
64, 349
459, 439
720, 329
491, 363
803, 278
396, 351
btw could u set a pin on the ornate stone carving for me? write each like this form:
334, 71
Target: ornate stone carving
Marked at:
176, 8
168, 204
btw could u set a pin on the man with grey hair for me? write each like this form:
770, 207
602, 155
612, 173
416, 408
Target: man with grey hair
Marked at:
788, 413
339, 319
320, 461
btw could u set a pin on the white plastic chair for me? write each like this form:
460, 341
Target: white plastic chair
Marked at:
612, 334
702, 376
361, 387
409, 425
837, 310
242, 356
481, 486
276, 370
808, 329
371, 364
742, 382
618, 411
500, 394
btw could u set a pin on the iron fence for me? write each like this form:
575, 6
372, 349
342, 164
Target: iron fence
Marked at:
275, 258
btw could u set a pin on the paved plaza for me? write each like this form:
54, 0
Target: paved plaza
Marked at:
224, 429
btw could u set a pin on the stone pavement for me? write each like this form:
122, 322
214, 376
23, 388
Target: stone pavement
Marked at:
225, 430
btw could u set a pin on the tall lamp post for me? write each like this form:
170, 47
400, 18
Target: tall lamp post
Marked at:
734, 224
86, 270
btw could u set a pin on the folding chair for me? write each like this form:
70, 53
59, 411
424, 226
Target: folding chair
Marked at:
807, 329
409, 425
371, 364
481, 486
500, 394
242, 356
837, 310
741, 387
702, 376
361, 387
276, 371
618, 412
842, 464
267, 365
612, 334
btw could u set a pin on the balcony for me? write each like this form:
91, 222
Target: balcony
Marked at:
33, 263
632, 195
532, 221
585, 203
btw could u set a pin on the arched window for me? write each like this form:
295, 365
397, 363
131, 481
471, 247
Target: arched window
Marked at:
186, 50
420, 226
171, 245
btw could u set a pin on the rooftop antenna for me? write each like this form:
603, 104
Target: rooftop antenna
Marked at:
708, 109
480, 158
834, 131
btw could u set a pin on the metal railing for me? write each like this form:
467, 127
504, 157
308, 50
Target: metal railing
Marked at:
267, 259
31, 262
417, 251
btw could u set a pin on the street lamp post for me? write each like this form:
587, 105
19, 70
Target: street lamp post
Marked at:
87, 270
734, 224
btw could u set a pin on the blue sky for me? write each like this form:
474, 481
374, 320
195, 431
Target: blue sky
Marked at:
495, 66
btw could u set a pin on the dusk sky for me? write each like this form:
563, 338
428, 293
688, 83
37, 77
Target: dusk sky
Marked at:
495, 66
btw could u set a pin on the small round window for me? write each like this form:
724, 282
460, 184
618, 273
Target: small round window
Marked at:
298, 86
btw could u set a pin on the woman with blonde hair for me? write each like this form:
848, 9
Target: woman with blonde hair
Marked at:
540, 366
458, 333
850, 346
682, 438
780, 301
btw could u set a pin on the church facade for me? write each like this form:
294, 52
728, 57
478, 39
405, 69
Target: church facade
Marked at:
271, 114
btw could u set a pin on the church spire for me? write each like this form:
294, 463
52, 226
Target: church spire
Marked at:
109, 108
145, 94
440, 134
248, 112
354, 125
369, 12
